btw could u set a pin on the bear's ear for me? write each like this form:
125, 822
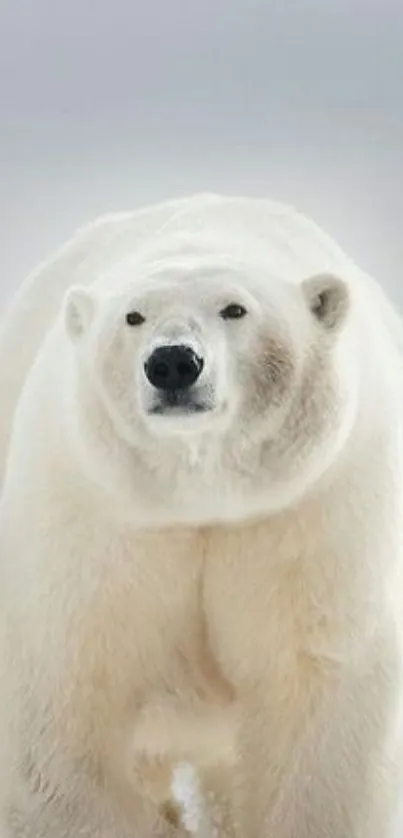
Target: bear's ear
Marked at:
328, 299
79, 307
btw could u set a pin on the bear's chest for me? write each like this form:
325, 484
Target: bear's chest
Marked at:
262, 622
133, 627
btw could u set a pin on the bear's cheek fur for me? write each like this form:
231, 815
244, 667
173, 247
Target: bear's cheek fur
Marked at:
268, 377
117, 369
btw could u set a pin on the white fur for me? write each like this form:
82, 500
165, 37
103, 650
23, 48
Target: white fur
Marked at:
186, 791
218, 590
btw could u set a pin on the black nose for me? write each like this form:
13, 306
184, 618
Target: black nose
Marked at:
173, 367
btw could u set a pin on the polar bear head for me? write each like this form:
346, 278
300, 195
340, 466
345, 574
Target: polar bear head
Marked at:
233, 389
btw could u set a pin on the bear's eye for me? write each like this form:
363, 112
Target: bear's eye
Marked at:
234, 311
134, 318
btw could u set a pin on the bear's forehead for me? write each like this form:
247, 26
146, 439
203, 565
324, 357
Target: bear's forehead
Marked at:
183, 268
193, 280
199, 277
178, 288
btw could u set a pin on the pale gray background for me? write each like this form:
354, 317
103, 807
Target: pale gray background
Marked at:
108, 104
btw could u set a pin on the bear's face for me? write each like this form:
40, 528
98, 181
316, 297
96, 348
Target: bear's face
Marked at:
216, 359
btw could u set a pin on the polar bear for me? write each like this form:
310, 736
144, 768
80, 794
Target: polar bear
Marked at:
201, 530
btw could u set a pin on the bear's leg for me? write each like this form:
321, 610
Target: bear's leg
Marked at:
74, 811
335, 774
